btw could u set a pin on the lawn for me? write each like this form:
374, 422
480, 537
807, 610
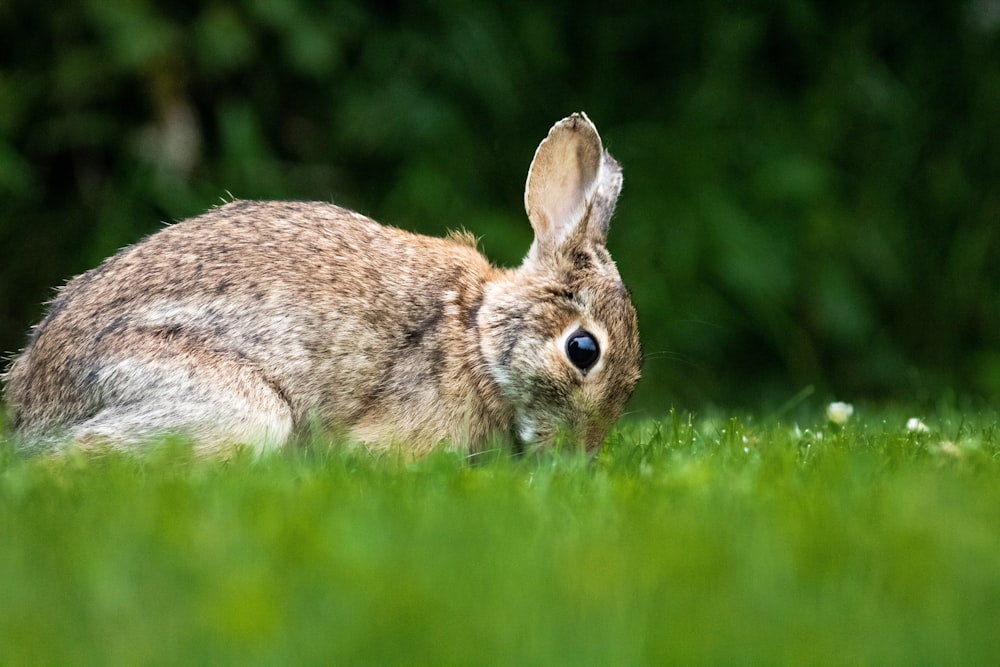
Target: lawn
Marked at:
700, 538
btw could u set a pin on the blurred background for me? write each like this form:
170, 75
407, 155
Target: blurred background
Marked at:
812, 190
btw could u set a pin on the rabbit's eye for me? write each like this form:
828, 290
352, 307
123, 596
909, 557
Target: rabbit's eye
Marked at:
582, 349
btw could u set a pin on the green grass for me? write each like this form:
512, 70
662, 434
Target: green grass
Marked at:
690, 540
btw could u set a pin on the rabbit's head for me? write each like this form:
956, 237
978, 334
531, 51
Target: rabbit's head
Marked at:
559, 333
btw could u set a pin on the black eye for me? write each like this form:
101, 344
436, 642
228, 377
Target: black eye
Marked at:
582, 349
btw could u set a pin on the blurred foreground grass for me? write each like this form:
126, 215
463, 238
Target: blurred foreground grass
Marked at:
705, 539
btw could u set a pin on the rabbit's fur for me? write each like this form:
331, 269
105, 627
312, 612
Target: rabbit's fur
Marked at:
258, 320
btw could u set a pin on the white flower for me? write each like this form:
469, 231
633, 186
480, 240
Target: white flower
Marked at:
839, 413
914, 425
950, 448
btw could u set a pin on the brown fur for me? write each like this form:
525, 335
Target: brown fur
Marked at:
255, 321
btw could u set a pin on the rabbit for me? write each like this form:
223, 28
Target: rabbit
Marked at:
257, 322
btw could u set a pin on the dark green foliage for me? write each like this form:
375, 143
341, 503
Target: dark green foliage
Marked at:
811, 190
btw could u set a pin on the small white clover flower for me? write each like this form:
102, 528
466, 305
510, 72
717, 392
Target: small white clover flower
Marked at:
950, 448
914, 425
839, 413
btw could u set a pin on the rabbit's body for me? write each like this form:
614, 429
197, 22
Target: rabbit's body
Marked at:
337, 321
258, 320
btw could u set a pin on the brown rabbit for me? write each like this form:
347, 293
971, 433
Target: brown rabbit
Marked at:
258, 320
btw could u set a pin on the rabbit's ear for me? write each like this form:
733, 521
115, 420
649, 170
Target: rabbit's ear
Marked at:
602, 203
563, 179
572, 181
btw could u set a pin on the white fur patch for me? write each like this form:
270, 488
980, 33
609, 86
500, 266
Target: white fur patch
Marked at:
525, 428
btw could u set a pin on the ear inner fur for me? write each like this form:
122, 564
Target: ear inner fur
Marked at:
562, 178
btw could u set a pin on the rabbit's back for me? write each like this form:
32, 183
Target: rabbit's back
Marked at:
338, 315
